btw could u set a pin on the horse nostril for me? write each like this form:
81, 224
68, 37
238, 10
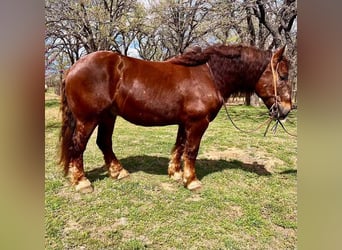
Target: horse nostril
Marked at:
274, 110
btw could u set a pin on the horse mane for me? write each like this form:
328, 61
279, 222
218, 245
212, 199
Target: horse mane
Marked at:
196, 56
235, 68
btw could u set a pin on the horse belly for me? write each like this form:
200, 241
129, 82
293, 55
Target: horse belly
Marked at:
168, 111
150, 113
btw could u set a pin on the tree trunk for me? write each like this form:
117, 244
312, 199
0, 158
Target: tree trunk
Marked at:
248, 99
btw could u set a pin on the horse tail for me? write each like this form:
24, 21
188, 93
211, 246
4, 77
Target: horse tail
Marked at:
67, 131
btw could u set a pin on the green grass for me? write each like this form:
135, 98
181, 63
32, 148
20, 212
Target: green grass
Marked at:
248, 199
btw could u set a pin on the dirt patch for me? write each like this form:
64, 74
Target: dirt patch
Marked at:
234, 212
71, 226
285, 237
251, 159
68, 192
168, 187
195, 197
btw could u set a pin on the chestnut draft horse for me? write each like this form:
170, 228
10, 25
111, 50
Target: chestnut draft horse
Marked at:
187, 90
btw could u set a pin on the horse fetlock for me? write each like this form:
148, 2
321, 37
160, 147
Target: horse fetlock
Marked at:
190, 181
117, 173
175, 172
74, 174
176, 176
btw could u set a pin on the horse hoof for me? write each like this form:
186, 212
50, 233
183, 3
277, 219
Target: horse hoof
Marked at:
177, 176
84, 186
123, 174
194, 185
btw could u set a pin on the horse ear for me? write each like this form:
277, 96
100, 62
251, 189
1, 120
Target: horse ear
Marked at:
278, 54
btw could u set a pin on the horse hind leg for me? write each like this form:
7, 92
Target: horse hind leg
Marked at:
76, 173
174, 169
104, 142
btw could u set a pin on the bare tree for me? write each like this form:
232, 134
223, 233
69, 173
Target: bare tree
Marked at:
178, 24
149, 44
75, 28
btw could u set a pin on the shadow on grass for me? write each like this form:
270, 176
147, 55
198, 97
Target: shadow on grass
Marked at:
158, 166
289, 171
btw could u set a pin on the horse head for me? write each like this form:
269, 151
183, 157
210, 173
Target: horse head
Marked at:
274, 87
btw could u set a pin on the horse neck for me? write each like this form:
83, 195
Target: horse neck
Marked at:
238, 75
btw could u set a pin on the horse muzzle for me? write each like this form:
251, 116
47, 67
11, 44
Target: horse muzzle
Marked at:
280, 110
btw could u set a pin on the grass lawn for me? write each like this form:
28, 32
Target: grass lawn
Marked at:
248, 199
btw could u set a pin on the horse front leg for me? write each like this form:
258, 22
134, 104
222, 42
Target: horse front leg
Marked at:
174, 169
104, 142
194, 133
76, 173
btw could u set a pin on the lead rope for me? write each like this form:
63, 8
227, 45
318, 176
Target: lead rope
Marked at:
275, 78
269, 120
287, 132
